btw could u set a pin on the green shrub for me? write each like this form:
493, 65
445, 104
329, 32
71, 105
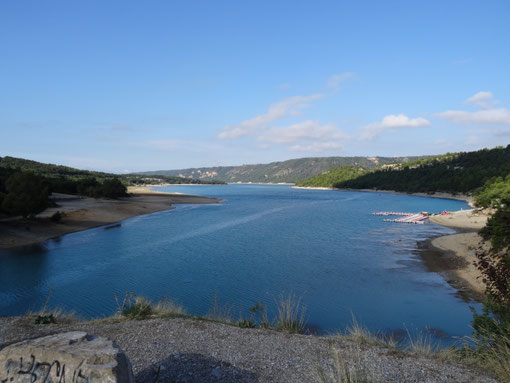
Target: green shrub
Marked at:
56, 217
141, 308
27, 194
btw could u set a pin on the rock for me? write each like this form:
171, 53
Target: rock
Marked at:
71, 357
216, 372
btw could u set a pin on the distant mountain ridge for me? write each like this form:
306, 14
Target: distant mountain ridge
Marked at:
289, 171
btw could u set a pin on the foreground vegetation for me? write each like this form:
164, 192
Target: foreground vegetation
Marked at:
289, 317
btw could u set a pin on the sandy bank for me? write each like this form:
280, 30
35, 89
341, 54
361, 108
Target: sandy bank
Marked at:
86, 213
462, 219
453, 257
456, 259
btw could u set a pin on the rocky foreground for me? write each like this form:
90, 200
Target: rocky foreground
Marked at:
190, 350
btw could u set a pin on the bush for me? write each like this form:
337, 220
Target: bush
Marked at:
492, 326
494, 264
27, 194
139, 309
56, 217
113, 188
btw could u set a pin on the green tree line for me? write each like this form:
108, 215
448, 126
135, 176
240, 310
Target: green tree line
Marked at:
452, 173
331, 177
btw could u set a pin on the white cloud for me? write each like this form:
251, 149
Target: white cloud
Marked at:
286, 107
317, 147
306, 130
392, 123
336, 80
482, 100
482, 117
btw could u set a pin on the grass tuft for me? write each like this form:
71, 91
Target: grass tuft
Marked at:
358, 333
140, 308
291, 315
422, 344
347, 368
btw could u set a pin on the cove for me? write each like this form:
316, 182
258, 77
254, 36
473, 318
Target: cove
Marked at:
263, 241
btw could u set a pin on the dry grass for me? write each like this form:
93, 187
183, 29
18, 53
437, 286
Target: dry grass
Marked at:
348, 367
489, 354
140, 308
220, 313
291, 315
54, 316
422, 344
358, 333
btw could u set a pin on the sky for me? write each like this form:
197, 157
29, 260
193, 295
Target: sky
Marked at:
124, 86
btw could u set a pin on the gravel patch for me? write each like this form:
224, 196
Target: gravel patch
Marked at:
190, 350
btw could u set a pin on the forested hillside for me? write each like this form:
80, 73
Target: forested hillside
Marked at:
25, 185
331, 177
451, 173
290, 171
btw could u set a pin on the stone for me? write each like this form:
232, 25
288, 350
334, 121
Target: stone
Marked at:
216, 372
71, 357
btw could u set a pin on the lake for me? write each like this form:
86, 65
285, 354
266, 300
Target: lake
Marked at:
264, 241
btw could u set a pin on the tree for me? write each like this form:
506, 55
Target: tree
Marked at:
492, 327
113, 188
495, 263
27, 194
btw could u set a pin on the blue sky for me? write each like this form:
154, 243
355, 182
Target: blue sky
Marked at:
128, 85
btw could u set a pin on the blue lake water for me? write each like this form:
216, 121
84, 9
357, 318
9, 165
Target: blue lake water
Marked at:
263, 241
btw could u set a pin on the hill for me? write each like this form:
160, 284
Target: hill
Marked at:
25, 185
450, 173
289, 171
58, 173
331, 177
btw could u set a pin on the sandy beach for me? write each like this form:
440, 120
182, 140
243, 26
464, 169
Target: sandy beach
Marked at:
85, 213
456, 257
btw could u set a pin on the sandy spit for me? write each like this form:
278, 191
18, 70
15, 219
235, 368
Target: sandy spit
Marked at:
86, 213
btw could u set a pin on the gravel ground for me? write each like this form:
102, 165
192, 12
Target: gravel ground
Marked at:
189, 350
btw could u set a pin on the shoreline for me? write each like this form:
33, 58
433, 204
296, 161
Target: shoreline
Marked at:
83, 213
458, 197
453, 255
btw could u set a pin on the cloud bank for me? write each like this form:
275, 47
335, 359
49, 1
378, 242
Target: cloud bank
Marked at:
392, 123
488, 115
286, 107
